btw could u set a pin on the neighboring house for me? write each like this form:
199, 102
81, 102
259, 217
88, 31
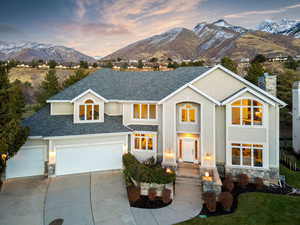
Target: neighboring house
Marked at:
296, 117
207, 116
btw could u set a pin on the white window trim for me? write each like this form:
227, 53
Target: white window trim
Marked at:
154, 142
264, 155
180, 114
148, 110
85, 111
263, 107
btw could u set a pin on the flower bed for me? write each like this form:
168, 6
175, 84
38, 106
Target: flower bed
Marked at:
148, 184
219, 206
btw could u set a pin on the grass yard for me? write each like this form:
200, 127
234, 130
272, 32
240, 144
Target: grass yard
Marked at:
258, 209
292, 178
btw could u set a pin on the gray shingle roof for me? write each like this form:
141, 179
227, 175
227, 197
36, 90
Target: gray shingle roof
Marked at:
153, 128
116, 85
42, 124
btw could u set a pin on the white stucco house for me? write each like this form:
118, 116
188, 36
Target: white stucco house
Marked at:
206, 116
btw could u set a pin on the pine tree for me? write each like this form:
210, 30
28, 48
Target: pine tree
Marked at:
48, 88
140, 64
229, 64
77, 76
12, 134
256, 70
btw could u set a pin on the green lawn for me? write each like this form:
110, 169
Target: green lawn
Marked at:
258, 209
292, 178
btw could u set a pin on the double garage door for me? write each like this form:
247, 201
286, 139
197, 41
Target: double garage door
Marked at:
70, 159
88, 158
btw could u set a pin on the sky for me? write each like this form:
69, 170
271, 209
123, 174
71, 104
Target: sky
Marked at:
99, 27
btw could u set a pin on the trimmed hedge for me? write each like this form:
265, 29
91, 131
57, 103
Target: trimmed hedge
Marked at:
143, 173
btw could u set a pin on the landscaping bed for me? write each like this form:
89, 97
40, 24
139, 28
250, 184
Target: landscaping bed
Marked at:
148, 184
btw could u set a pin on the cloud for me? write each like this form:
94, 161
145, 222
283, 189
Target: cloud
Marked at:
262, 12
8, 29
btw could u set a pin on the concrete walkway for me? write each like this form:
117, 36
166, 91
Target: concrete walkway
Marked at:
88, 199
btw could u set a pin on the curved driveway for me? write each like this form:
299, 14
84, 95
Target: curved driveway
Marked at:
88, 199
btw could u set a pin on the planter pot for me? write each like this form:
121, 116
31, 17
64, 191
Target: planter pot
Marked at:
158, 187
144, 188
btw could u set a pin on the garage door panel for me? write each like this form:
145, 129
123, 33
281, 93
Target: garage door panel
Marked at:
27, 162
88, 158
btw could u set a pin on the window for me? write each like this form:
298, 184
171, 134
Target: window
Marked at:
247, 155
246, 112
89, 110
188, 114
143, 142
144, 111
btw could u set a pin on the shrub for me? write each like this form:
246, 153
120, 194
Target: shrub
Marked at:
259, 183
243, 180
166, 196
209, 199
229, 177
133, 193
228, 185
152, 194
226, 199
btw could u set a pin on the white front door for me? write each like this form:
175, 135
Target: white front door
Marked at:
188, 146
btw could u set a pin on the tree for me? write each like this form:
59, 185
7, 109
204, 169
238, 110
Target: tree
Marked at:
154, 60
52, 64
84, 65
48, 88
256, 70
291, 63
34, 64
140, 64
95, 65
173, 65
259, 59
229, 64
12, 134
119, 59
124, 66
77, 76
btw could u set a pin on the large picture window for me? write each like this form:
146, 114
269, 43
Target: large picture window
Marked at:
89, 110
143, 142
188, 113
144, 111
247, 155
247, 112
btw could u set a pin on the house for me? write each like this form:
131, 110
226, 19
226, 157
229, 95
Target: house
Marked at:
206, 116
296, 116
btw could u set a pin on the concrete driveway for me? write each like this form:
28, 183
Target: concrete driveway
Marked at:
88, 199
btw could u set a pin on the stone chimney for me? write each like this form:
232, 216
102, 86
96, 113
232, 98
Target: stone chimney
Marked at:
268, 83
296, 116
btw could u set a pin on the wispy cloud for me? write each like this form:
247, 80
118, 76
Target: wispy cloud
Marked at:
262, 12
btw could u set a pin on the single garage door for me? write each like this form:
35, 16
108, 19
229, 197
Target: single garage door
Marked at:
88, 158
29, 161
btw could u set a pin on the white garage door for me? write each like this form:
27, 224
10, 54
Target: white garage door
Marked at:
29, 161
88, 158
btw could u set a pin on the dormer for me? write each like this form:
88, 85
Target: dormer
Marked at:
89, 107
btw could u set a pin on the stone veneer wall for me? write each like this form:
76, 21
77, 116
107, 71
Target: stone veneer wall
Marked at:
269, 176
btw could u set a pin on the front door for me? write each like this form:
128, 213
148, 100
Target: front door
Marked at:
188, 146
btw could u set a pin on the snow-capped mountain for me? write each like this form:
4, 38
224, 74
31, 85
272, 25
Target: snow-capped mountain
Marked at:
211, 40
28, 51
283, 26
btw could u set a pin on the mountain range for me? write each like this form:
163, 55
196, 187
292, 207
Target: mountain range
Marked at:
27, 51
216, 40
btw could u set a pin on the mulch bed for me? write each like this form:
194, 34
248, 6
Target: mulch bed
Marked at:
274, 189
145, 203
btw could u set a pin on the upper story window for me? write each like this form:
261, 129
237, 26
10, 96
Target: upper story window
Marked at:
143, 142
188, 113
89, 110
144, 111
247, 112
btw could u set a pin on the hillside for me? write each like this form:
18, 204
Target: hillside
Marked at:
211, 41
28, 51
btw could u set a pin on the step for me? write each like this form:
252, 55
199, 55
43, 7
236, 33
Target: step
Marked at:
188, 180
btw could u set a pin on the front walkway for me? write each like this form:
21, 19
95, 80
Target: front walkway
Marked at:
88, 199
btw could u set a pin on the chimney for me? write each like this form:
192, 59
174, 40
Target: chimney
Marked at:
296, 117
268, 83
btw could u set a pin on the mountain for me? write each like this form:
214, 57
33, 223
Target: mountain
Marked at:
212, 41
28, 51
284, 26
177, 42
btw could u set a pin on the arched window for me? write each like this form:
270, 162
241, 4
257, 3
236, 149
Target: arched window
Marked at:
89, 110
188, 113
246, 112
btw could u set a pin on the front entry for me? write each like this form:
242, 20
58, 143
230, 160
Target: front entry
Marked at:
188, 148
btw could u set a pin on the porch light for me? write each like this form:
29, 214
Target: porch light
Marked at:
169, 155
3, 156
208, 156
206, 177
52, 157
168, 170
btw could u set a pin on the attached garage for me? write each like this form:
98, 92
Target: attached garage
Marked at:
88, 158
29, 161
